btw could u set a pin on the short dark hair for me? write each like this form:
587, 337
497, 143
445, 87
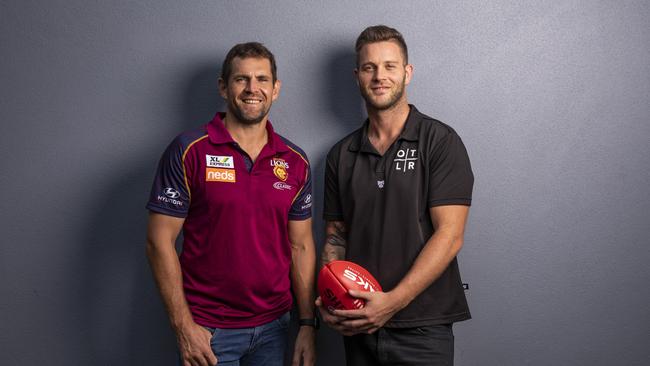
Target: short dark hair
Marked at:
246, 50
380, 33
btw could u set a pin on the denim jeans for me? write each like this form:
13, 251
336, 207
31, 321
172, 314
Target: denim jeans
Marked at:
261, 345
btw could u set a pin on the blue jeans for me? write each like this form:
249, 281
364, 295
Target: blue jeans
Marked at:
261, 345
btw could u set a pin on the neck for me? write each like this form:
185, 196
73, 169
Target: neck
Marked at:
250, 137
387, 124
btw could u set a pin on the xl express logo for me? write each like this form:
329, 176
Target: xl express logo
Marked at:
217, 161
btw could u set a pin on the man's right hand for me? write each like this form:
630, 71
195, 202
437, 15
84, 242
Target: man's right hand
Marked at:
334, 321
194, 344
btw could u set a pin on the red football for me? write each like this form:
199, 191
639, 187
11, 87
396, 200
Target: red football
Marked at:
337, 277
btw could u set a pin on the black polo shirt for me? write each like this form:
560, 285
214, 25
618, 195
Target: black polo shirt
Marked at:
385, 200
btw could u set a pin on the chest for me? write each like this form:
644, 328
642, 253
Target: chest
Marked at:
227, 179
402, 170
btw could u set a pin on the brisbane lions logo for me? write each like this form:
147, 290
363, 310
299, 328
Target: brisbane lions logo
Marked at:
280, 167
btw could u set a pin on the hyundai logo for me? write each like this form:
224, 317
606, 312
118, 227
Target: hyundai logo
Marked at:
172, 193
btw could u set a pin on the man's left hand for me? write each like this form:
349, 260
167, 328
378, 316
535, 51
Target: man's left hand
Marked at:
380, 308
305, 347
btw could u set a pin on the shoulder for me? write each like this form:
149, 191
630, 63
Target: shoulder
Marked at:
294, 149
432, 126
348, 143
434, 132
186, 139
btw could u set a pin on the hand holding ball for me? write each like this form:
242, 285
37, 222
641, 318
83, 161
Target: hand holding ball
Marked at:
337, 277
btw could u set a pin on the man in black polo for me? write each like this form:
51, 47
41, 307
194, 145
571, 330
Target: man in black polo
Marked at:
397, 196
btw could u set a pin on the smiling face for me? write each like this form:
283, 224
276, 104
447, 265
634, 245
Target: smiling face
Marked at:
382, 74
250, 90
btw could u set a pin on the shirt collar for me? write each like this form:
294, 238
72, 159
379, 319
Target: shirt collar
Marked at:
410, 132
218, 134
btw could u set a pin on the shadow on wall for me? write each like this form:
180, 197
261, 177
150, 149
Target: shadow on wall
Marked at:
124, 320
347, 114
343, 95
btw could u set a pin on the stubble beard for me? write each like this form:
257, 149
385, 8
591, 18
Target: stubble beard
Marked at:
395, 96
248, 120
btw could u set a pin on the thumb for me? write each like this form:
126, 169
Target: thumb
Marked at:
366, 295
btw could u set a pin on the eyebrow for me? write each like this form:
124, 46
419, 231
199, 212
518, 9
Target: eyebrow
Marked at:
390, 62
247, 76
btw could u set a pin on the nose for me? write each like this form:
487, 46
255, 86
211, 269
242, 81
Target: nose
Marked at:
252, 85
379, 74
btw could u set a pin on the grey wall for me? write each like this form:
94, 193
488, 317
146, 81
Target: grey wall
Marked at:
551, 98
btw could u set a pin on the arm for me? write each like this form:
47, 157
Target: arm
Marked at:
433, 260
335, 242
334, 249
303, 263
193, 339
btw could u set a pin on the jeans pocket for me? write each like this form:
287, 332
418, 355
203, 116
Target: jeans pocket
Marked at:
284, 320
443, 331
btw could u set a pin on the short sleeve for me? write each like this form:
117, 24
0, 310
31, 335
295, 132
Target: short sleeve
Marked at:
451, 178
169, 192
301, 207
332, 210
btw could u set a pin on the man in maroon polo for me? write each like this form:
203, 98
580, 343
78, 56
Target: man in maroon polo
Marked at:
242, 196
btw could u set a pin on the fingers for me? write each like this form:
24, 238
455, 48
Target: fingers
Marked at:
350, 314
347, 322
366, 295
205, 359
210, 356
305, 348
212, 359
360, 324
195, 346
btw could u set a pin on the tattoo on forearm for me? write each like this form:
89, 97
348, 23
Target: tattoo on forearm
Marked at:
335, 243
335, 240
337, 234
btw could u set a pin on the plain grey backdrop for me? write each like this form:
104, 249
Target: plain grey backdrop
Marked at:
552, 100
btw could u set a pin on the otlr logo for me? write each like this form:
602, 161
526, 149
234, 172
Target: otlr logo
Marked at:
406, 159
219, 175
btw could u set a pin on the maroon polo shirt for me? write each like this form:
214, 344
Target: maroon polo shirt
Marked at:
236, 253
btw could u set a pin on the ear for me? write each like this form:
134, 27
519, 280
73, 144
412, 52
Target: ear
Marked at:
356, 75
276, 89
409, 73
222, 88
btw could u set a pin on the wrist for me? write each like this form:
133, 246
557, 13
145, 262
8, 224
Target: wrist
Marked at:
400, 299
313, 322
182, 323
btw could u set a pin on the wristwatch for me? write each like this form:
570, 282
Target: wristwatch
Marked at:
310, 322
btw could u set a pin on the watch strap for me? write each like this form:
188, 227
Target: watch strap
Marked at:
309, 322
